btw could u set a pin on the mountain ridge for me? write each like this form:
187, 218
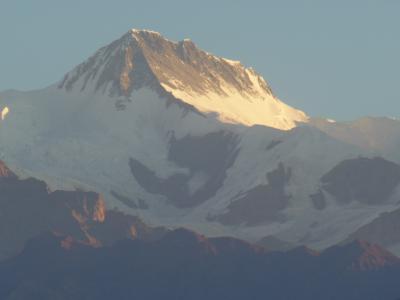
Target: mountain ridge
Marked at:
210, 84
158, 155
183, 263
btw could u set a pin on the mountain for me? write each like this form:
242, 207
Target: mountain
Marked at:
186, 265
180, 71
28, 208
178, 137
382, 230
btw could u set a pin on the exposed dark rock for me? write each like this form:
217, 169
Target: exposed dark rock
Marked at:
367, 180
142, 204
263, 203
116, 70
5, 171
210, 155
318, 200
175, 187
384, 230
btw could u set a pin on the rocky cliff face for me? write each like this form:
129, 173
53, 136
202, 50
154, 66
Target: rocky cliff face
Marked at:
5, 172
28, 208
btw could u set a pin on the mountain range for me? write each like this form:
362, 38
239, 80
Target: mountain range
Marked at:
167, 134
68, 245
186, 265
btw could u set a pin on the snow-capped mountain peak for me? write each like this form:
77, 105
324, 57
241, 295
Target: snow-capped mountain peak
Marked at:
210, 84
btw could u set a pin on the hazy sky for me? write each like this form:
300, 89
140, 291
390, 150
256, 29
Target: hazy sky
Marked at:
338, 59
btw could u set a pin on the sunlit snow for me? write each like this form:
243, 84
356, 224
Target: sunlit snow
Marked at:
4, 113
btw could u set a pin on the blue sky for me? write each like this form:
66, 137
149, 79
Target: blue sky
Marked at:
337, 59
